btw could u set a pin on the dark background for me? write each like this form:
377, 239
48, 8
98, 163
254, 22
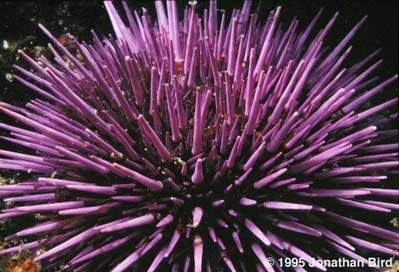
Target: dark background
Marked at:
19, 19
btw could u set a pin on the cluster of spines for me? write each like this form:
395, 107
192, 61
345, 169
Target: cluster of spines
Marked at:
159, 119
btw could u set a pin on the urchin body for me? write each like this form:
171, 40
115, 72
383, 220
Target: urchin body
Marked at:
199, 144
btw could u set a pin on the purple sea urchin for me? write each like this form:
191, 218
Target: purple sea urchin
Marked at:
139, 150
